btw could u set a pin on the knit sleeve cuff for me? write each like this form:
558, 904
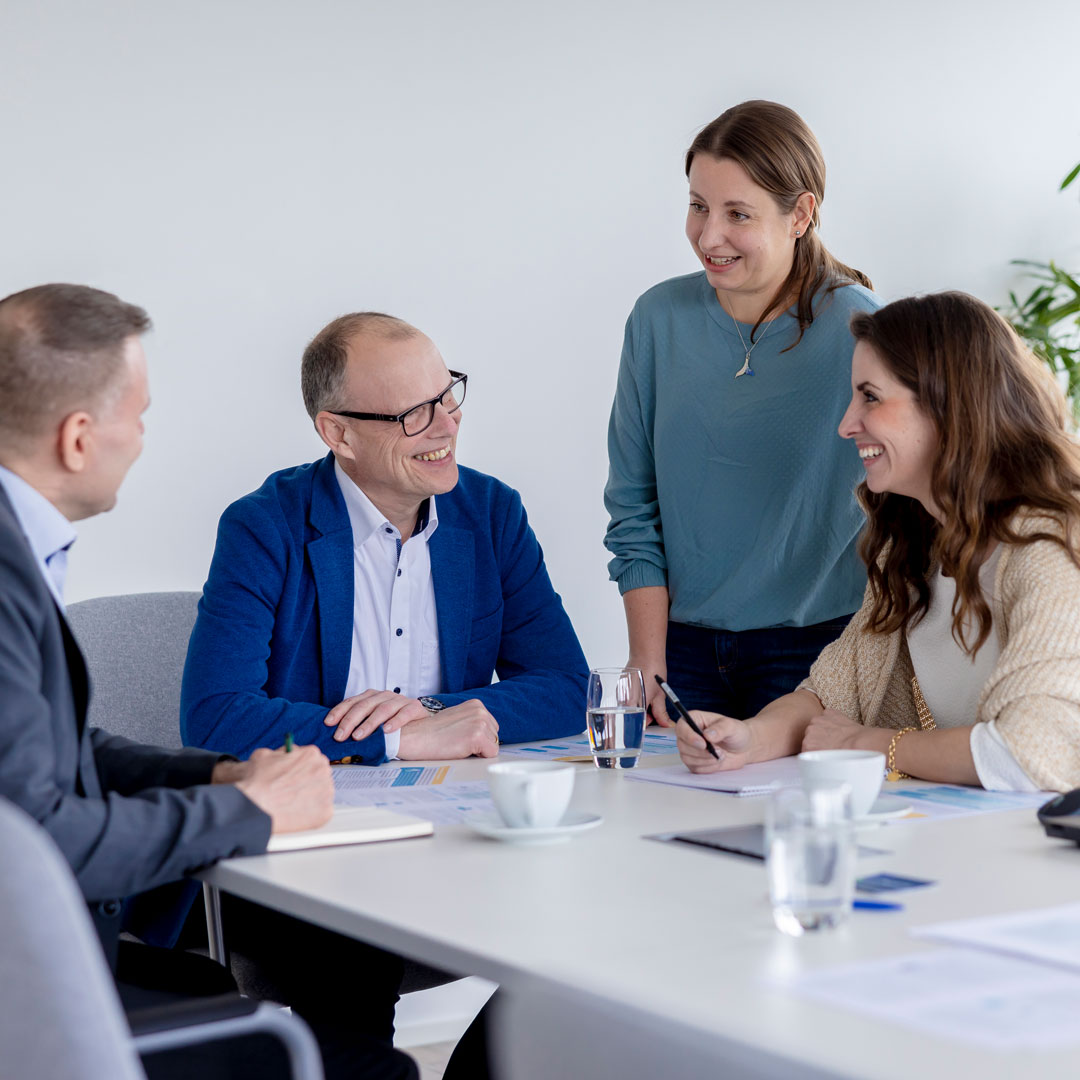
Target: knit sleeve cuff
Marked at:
640, 575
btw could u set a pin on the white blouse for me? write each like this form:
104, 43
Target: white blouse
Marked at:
952, 681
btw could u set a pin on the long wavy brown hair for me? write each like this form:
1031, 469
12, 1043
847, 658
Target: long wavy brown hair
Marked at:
781, 154
1001, 421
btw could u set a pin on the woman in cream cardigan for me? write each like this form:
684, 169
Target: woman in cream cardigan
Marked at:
963, 663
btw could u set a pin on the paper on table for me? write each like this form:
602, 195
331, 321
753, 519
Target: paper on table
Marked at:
444, 804
352, 825
757, 779
995, 1002
348, 777
948, 800
1048, 935
653, 743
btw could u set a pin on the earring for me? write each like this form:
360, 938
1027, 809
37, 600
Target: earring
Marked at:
798, 232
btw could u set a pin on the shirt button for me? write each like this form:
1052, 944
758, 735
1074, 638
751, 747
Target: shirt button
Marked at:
389, 530
397, 689
399, 573
399, 631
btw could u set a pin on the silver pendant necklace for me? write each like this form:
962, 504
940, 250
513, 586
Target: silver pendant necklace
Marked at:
746, 369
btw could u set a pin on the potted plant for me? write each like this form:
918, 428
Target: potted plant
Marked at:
1048, 319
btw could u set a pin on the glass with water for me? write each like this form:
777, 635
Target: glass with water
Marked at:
615, 715
810, 844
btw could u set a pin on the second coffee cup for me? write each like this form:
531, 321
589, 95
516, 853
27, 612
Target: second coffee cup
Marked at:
531, 794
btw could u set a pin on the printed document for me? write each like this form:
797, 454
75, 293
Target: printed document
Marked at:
994, 1002
1048, 935
443, 804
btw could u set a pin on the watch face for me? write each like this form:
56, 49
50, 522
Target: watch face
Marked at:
432, 704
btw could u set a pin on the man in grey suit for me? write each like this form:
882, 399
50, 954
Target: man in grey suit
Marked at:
127, 817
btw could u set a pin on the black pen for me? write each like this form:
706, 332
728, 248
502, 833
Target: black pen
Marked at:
691, 723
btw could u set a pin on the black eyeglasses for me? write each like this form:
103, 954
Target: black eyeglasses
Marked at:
420, 417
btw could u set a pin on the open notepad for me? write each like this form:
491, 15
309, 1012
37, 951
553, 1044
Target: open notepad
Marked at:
353, 825
755, 779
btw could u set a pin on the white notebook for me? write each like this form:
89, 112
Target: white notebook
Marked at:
757, 779
353, 825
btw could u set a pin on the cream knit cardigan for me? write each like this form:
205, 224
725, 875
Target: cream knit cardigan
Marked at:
1034, 689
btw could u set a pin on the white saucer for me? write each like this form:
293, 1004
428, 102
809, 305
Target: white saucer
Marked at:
572, 823
885, 808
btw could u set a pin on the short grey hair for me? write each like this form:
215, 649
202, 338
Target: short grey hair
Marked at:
61, 349
322, 369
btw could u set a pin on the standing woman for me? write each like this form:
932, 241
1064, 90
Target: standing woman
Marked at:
733, 517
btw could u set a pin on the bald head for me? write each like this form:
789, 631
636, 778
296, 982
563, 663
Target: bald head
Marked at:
322, 369
62, 349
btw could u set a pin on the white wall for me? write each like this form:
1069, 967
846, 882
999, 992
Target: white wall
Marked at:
506, 176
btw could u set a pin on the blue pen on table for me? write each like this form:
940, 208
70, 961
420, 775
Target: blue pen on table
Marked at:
681, 708
875, 905
288, 742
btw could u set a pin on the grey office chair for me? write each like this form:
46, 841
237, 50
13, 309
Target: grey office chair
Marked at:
60, 1016
135, 646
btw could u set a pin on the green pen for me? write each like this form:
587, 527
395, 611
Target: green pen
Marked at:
288, 742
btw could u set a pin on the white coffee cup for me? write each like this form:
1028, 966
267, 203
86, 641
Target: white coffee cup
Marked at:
531, 794
861, 770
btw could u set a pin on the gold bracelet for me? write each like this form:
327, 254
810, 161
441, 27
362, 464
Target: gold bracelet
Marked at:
892, 772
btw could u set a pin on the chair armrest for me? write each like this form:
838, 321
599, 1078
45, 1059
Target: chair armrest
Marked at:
184, 1014
228, 1017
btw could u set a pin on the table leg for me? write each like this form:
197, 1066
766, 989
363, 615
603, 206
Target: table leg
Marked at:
214, 934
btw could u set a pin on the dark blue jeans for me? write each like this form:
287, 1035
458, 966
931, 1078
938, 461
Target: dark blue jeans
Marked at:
739, 672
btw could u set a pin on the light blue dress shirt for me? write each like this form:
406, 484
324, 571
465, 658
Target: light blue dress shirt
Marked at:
49, 533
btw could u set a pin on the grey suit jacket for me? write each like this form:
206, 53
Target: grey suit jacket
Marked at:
127, 817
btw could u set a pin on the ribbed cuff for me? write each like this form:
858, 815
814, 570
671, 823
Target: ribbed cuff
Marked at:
641, 575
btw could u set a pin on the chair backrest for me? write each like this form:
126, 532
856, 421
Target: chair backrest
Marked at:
135, 647
60, 1016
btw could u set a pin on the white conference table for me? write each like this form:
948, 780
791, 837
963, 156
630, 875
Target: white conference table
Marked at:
676, 934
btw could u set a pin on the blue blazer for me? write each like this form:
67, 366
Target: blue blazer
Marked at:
271, 646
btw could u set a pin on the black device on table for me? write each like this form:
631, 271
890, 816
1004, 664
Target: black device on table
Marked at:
1060, 817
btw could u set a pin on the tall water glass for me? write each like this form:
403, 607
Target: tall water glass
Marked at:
810, 843
615, 715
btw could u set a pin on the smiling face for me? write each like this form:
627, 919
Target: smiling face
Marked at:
396, 471
744, 241
895, 438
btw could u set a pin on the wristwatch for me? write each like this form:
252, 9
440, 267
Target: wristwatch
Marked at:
432, 704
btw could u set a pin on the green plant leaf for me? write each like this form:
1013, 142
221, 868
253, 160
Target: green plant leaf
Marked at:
1070, 178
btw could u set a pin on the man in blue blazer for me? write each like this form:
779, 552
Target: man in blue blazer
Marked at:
368, 598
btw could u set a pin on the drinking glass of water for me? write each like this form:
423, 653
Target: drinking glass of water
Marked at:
615, 713
810, 845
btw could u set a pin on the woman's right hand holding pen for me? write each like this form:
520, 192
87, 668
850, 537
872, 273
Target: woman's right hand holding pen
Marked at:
731, 739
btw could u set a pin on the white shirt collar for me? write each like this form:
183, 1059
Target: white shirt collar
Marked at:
366, 518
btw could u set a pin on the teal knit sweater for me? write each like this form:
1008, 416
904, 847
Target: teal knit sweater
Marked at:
737, 494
